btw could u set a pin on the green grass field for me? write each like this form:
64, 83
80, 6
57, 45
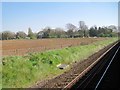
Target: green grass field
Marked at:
24, 71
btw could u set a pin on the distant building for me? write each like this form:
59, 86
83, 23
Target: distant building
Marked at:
27, 37
40, 35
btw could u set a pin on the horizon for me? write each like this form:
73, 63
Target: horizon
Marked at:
19, 16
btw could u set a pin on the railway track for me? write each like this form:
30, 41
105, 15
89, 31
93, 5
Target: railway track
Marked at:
104, 74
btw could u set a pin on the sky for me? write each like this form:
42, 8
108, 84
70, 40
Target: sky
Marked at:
60, 0
19, 16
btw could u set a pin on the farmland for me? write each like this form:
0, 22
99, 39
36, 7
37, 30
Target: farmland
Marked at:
22, 47
24, 71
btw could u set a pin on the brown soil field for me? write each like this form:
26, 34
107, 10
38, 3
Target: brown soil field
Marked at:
22, 47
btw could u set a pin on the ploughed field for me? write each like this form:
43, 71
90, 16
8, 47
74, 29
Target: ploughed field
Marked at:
22, 47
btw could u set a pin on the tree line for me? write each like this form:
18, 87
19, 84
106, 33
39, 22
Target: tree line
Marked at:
71, 32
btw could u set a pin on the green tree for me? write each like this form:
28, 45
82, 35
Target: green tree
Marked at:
31, 34
81, 33
93, 31
46, 32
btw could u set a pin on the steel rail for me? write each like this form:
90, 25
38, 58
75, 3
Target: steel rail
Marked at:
106, 69
69, 85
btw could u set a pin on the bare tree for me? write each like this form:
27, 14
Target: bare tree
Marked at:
83, 27
114, 28
86, 32
21, 34
71, 29
8, 35
52, 33
59, 32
